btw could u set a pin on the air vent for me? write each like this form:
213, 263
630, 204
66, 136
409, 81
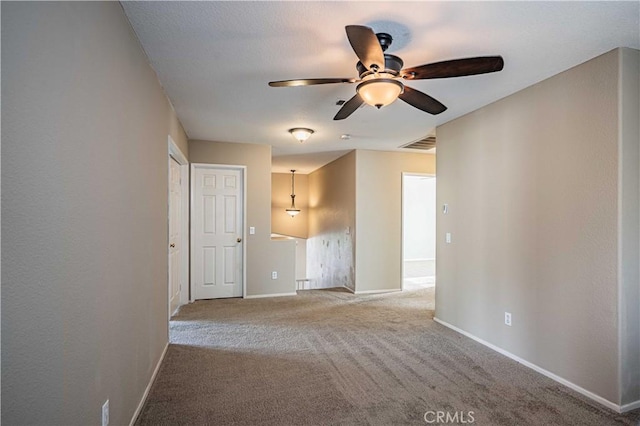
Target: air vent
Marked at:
423, 144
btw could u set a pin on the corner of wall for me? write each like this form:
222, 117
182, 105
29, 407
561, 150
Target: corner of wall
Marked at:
331, 242
629, 226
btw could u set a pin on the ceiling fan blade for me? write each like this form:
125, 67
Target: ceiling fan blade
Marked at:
366, 45
349, 107
310, 82
422, 101
455, 68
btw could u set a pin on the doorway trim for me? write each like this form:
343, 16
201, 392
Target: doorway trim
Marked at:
181, 159
402, 224
243, 170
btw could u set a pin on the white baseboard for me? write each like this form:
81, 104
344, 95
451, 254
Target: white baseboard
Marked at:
349, 288
388, 290
631, 406
146, 391
260, 296
583, 391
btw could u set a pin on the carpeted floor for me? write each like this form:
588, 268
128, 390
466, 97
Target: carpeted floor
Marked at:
328, 357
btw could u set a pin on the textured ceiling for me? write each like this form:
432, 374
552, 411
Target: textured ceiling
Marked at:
215, 59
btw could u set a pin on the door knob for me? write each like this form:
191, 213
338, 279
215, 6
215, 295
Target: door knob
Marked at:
172, 245
239, 240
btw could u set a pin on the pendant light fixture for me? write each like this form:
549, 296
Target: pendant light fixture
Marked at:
292, 211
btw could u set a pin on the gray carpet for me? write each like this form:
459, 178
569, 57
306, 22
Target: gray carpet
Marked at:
328, 357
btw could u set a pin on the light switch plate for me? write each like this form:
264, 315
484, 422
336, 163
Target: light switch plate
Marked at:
252, 230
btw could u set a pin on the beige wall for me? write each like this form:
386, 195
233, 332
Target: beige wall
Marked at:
281, 222
330, 249
84, 214
532, 186
379, 215
355, 220
629, 229
177, 132
263, 254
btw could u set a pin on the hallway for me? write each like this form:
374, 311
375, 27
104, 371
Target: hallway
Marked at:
332, 357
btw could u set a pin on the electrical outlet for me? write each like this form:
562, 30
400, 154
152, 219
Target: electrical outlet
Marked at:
105, 413
274, 275
507, 318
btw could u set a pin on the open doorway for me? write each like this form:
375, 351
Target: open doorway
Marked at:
418, 231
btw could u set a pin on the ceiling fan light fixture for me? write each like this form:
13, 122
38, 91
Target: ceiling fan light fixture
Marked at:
301, 134
379, 92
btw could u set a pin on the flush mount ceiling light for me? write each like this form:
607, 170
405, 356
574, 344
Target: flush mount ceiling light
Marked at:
301, 134
292, 211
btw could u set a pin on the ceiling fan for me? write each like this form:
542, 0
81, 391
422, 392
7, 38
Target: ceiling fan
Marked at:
381, 74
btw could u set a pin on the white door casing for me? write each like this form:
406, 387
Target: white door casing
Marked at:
178, 228
217, 226
175, 234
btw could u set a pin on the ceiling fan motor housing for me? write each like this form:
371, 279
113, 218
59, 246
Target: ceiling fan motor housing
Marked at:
385, 40
392, 65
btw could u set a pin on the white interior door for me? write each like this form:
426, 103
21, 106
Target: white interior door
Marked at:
175, 234
217, 225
